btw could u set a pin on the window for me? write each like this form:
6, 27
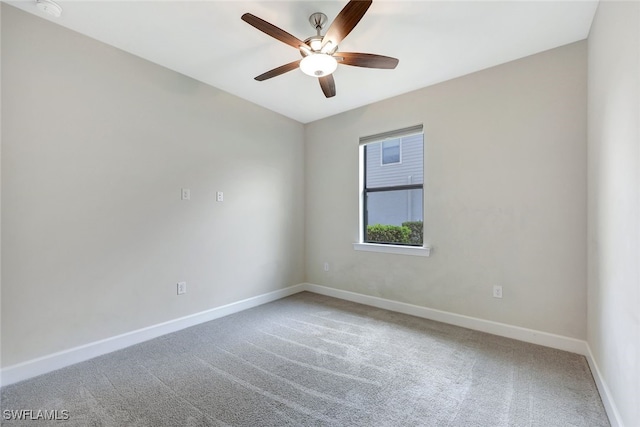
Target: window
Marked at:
391, 151
392, 178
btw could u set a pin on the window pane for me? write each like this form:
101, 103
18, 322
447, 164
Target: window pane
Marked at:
388, 211
393, 191
409, 171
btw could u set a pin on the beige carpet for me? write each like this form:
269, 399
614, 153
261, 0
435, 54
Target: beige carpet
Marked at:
312, 360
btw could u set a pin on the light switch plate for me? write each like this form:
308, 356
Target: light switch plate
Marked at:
182, 288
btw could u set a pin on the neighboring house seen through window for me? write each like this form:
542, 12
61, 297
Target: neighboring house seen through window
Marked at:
392, 187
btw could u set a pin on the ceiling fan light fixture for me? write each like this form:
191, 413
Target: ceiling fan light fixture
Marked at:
315, 43
329, 48
305, 50
318, 65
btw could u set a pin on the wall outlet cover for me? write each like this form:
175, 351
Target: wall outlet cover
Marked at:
497, 291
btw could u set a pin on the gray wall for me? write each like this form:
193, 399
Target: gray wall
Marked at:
96, 145
614, 202
505, 195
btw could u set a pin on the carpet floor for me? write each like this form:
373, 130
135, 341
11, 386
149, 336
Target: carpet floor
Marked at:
312, 360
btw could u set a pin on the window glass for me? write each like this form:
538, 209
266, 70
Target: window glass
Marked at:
393, 196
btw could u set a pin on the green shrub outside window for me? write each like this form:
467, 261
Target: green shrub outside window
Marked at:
409, 233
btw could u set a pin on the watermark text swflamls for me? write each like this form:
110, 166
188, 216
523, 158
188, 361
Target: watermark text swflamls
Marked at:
35, 415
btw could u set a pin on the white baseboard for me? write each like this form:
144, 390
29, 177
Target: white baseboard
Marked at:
49, 363
522, 334
605, 394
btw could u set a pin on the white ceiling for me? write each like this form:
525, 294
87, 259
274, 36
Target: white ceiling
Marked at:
434, 41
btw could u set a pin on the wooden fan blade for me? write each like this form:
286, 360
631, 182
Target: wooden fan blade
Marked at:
346, 20
280, 70
367, 60
272, 30
328, 85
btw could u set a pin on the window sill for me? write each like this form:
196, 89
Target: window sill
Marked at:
393, 249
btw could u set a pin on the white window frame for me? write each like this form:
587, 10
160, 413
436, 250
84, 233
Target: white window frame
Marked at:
399, 162
361, 245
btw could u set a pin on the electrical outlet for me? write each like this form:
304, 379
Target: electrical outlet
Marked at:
497, 291
326, 266
219, 196
182, 288
185, 194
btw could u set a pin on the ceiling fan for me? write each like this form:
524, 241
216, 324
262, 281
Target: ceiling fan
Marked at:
320, 56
